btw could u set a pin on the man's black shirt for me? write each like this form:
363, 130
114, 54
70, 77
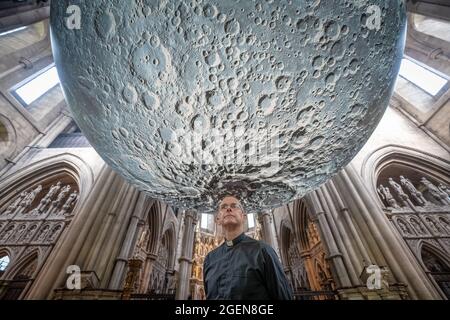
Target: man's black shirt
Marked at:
243, 270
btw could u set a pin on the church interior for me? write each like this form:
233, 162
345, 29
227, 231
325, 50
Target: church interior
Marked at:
72, 227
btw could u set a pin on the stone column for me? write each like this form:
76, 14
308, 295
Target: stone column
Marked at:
269, 234
185, 260
337, 264
147, 272
128, 243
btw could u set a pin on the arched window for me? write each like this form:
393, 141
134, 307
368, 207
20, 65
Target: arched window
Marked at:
437, 269
21, 279
4, 262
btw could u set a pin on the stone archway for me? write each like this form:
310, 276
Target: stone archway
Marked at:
20, 279
301, 248
437, 266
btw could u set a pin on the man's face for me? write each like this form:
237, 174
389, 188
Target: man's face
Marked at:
230, 212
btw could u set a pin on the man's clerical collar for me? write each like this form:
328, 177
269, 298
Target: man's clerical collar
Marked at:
235, 241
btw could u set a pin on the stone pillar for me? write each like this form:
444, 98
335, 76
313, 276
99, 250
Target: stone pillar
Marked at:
337, 265
185, 260
268, 227
128, 243
147, 272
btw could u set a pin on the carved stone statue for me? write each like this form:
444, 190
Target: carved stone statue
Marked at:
388, 197
53, 190
444, 189
29, 198
415, 194
70, 201
398, 189
15, 204
435, 192
62, 194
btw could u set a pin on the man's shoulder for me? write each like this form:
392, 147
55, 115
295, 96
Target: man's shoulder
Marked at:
214, 252
259, 244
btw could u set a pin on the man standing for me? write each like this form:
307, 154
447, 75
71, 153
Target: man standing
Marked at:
242, 268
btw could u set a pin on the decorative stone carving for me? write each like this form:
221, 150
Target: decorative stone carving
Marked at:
419, 229
17, 234
415, 194
399, 191
444, 222
53, 234
29, 198
29, 233
387, 196
15, 204
405, 229
61, 196
444, 189
435, 192
42, 233
433, 225
70, 202
7, 232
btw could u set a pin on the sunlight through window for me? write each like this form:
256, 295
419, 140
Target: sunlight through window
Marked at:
12, 31
204, 222
251, 220
422, 77
35, 88
4, 261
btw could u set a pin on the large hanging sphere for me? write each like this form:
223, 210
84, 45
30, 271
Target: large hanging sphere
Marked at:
190, 100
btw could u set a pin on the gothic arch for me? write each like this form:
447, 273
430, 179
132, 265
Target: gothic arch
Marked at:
8, 253
21, 275
424, 246
63, 164
300, 220
154, 225
17, 266
389, 155
170, 236
286, 239
439, 273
